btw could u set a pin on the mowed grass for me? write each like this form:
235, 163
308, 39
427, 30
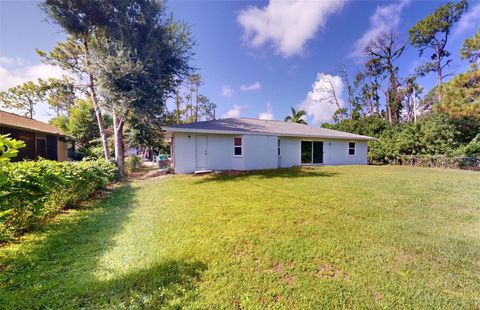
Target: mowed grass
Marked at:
327, 237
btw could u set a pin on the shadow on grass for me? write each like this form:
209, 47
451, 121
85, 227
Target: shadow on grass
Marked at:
55, 267
294, 172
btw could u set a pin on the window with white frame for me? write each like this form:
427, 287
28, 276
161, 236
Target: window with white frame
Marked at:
278, 147
237, 146
351, 148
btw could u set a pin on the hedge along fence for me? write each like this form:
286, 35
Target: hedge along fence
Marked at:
31, 191
439, 161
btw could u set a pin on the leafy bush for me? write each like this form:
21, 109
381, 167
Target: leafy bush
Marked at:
472, 149
9, 148
34, 190
439, 161
372, 126
436, 134
132, 163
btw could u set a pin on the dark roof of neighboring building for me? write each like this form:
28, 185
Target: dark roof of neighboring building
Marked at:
21, 122
258, 126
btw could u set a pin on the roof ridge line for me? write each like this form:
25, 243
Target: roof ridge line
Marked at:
18, 115
269, 120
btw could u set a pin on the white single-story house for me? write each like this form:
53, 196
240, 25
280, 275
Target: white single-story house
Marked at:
250, 144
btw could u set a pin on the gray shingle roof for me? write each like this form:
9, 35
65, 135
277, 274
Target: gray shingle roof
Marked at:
260, 126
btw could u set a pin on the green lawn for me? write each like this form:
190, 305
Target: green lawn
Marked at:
328, 237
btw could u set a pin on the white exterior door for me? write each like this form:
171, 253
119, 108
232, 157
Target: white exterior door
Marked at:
201, 152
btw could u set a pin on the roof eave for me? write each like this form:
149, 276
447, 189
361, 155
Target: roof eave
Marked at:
33, 129
239, 132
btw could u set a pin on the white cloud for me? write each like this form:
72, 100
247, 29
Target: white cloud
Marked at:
22, 74
316, 103
286, 25
252, 87
13, 71
227, 91
386, 17
268, 114
469, 20
234, 112
412, 67
8, 61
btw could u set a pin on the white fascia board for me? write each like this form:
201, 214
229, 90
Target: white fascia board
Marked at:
231, 132
324, 137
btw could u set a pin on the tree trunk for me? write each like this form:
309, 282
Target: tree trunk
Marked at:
99, 116
118, 123
414, 106
337, 103
196, 104
389, 110
393, 96
389, 114
96, 106
373, 110
376, 99
439, 76
30, 109
349, 92
177, 103
191, 102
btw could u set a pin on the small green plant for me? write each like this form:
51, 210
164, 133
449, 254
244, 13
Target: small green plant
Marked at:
9, 148
133, 163
472, 149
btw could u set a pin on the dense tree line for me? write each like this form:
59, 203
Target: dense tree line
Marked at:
445, 120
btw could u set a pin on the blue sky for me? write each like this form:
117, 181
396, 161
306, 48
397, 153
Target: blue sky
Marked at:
256, 58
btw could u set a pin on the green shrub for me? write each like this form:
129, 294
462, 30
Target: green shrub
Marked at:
132, 163
9, 148
440, 161
34, 190
472, 149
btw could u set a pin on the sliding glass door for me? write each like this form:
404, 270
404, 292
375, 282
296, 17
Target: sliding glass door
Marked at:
307, 152
317, 152
312, 152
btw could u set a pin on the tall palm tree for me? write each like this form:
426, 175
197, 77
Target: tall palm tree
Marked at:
297, 116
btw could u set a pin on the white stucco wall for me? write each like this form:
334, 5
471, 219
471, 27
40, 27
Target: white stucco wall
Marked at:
184, 153
220, 154
290, 152
335, 152
259, 152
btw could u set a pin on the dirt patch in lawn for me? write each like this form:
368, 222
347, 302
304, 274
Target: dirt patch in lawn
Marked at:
281, 267
377, 296
327, 271
289, 279
148, 174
